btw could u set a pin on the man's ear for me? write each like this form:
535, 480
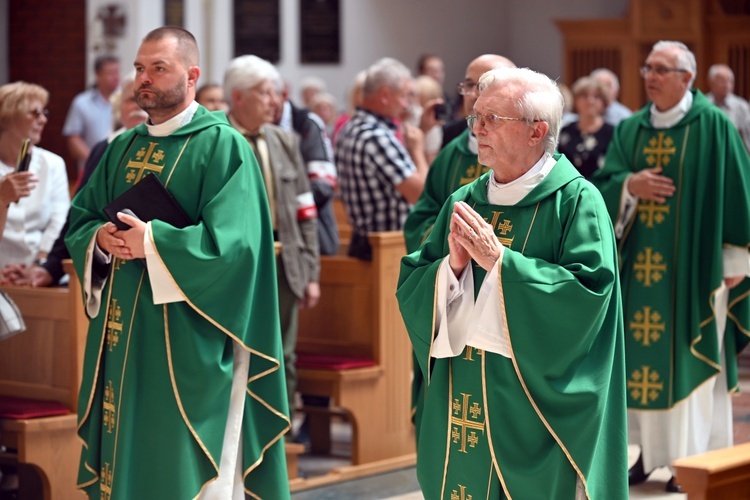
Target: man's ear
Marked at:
194, 72
538, 132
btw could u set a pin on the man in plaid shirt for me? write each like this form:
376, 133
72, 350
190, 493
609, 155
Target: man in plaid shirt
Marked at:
380, 178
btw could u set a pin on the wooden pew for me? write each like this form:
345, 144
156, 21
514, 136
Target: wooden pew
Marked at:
717, 475
358, 318
44, 363
342, 222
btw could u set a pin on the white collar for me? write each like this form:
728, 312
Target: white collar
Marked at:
671, 117
516, 190
179, 120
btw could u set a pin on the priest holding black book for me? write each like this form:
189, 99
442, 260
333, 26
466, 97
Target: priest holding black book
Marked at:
183, 391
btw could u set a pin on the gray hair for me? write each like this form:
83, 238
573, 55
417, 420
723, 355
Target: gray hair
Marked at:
386, 72
609, 73
540, 100
715, 68
685, 58
245, 72
116, 98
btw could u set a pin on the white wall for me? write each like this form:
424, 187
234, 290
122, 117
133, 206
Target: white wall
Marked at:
457, 30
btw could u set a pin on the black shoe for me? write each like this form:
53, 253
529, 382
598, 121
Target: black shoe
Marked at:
673, 487
636, 474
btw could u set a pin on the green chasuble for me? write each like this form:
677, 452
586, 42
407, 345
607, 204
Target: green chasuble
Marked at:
553, 414
454, 167
671, 254
154, 399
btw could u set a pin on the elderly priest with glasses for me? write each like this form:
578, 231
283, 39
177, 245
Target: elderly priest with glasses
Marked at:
513, 309
677, 185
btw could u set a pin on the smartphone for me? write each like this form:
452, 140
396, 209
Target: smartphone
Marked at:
24, 156
440, 111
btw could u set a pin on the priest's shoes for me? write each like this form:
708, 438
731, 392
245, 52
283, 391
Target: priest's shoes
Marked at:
673, 487
636, 474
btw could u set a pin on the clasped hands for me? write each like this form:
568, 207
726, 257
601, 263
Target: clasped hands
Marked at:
123, 244
470, 238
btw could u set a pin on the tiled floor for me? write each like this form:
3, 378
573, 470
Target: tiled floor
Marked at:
402, 484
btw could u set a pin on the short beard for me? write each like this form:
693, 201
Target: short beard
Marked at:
162, 101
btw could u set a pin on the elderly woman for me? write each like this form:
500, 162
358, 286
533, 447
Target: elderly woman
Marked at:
585, 141
34, 221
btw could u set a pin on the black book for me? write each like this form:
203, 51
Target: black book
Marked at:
148, 200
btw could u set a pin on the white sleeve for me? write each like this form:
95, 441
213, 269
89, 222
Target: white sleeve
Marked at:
163, 287
736, 261
58, 201
628, 205
455, 303
488, 331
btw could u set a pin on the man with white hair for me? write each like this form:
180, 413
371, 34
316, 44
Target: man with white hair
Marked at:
250, 86
513, 309
676, 183
378, 177
615, 111
721, 82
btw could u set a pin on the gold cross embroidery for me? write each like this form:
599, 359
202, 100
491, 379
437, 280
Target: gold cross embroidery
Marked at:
647, 327
109, 407
463, 496
649, 267
143, 164
645, 384
463, 423
503, 228
472, 173
659, 151
119, 263
105, 482
650, 212
469, 350
114, 325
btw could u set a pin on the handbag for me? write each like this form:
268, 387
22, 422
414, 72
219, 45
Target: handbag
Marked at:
11, 321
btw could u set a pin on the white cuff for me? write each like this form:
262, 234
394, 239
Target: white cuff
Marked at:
163, 287
736, 261
628, 206
455, 302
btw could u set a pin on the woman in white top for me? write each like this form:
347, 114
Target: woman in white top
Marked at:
32, 221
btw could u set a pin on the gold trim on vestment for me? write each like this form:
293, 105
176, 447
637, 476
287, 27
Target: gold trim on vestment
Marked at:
734, 318
528, 232
239, 342
89, 251
124, 366
529, 396
448, 427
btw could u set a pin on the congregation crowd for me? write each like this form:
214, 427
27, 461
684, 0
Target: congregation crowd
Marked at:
574, 273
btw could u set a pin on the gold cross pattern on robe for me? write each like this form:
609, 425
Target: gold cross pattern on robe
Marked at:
455, 495
502, 227
645, 385
647, 326
463, 424
650, 212
472, 173
146, 160
471, 350
649, 267
105, 482
108, 406
114, 325
659, 151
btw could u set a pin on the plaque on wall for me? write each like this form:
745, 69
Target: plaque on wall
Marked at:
256, 29
174, 13
319, 31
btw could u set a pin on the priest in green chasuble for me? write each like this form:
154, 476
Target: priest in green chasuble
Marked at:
676, 182
183, 392
455, 166
513, 309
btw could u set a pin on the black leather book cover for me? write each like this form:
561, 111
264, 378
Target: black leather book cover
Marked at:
148, 200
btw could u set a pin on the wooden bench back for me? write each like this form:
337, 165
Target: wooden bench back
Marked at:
45, 361
357, 308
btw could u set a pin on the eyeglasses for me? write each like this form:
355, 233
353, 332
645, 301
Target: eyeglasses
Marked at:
659, 70
491, 122
466, 88
39, 112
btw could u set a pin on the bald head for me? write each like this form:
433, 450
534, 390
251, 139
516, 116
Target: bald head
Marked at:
475, 70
